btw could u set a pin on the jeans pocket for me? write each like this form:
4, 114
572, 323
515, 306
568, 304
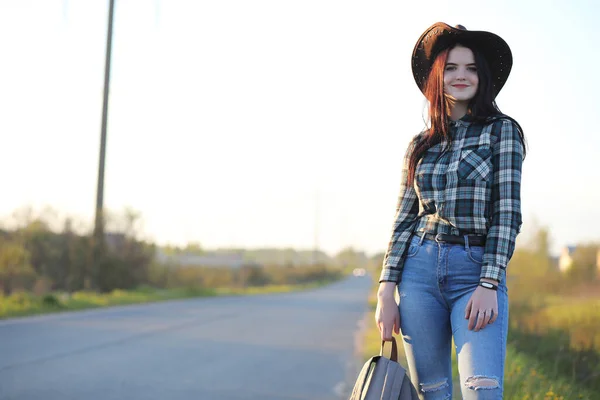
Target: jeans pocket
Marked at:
413, 249
475, 254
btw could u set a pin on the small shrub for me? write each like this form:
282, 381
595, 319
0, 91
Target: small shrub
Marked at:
50, 300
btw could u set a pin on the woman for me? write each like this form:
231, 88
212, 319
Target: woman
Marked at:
457, 218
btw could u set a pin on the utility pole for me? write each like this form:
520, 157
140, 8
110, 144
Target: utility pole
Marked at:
98, 239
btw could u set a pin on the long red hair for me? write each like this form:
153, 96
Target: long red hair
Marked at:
482, 106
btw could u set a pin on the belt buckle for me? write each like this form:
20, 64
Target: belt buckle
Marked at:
438, 238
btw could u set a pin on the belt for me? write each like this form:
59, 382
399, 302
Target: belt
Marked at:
474, 240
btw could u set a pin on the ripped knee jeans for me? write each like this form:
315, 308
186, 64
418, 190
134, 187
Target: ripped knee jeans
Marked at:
438, 280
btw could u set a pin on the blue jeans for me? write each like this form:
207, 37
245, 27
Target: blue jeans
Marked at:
437, 282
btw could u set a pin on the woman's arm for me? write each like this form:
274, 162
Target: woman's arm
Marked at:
507, 160
407, 210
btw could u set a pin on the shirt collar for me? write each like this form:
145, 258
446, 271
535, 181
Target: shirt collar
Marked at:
466, 120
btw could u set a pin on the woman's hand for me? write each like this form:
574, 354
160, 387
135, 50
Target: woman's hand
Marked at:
387, 315
482, 308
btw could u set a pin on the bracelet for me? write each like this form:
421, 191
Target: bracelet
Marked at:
488, 285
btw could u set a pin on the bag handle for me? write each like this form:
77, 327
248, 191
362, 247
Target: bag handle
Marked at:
394, 354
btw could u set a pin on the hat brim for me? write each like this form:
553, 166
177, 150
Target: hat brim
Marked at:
440, 36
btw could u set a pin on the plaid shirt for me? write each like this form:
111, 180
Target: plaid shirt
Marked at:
472, 187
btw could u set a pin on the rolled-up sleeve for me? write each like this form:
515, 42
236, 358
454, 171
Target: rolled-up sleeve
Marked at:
407, 210
506, 219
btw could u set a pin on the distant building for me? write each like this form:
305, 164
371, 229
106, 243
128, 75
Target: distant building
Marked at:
565, 261
115, 240
212, 260
236, 258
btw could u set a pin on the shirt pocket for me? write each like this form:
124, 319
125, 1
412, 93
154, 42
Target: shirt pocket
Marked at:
475, 163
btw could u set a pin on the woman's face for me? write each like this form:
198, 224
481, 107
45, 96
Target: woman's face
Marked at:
460, 74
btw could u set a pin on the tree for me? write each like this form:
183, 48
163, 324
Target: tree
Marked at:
15, 267
349, 257
193, 248
126, 260
584, 261
43, 247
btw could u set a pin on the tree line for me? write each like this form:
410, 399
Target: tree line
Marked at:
37, 258
40, 254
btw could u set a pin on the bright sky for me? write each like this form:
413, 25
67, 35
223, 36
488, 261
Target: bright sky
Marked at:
250, 123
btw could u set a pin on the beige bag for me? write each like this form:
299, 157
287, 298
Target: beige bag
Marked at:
383, 378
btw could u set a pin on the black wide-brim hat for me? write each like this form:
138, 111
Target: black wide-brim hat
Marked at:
441, 36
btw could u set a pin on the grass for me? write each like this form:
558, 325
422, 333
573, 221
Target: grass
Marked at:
562, 336
527, 378
24, 304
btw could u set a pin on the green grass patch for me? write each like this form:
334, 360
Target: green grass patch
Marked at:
527, 378
272, 289
23, 303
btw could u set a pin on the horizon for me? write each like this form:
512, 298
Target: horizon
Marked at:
55, 221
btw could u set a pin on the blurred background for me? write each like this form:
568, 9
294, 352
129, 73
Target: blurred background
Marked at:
256, 144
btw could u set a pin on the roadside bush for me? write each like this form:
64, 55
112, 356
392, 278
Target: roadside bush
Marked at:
50, 300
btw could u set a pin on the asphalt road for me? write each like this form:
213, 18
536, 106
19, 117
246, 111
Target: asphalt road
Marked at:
268, 347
